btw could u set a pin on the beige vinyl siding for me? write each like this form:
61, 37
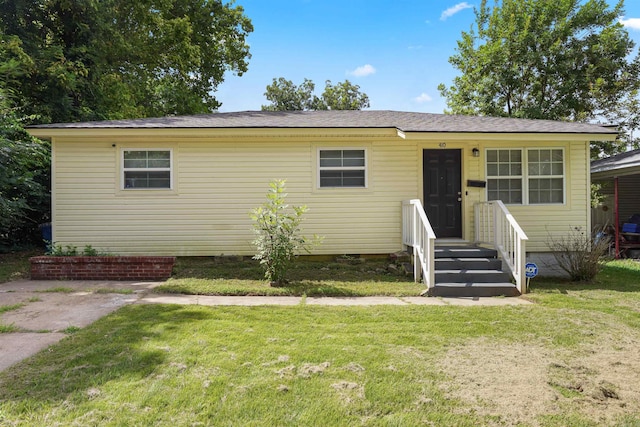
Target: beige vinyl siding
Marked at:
219, 178
217, 183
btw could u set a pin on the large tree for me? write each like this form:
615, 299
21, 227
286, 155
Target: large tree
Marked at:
542, 59
284, 95
24, 182
107, 59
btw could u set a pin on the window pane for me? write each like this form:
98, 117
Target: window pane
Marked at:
545, 169
557, 169
503, 169
534, 156
135, 155
556, 156
156, 155
132, 163
492, 169
492, 156
353, 154
147, 159
330, 158
545, 155
353, 162
353, 179
516, 198
516, 169
330, 163
330, 154
507, 190
503, 156
516, 156
159, 163
329, 178
546, 190
147, 179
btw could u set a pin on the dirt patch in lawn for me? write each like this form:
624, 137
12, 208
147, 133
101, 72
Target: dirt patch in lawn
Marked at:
519, 382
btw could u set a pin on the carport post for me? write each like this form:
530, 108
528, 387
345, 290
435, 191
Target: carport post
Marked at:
616, 216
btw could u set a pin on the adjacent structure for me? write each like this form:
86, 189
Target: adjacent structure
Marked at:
619, 178
626, 168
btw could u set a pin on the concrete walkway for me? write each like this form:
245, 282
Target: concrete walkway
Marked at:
327, 301
47, 308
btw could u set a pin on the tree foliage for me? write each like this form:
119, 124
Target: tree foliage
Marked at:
24, 183
107, 59
543, 59
284, 95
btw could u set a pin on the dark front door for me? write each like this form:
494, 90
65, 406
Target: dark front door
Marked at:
442, 191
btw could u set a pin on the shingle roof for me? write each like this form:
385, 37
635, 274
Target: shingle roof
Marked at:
620, 161
404, 121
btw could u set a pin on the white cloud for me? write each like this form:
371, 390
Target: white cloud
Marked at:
454, 9
424, 97
363, 71
633, 23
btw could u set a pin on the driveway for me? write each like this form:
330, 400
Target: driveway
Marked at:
49, 308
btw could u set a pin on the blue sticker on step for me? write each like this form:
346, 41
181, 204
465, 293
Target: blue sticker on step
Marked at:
530, 270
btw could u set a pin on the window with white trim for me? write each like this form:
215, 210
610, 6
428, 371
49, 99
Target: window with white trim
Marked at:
146, 169
540, 182
342, 168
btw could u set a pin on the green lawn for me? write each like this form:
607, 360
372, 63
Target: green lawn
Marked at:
208, 276
570, 359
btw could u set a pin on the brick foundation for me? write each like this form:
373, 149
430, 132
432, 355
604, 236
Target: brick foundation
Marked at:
101, 267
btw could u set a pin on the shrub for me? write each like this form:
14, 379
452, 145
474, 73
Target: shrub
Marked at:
71, 250
277, 229
580, 255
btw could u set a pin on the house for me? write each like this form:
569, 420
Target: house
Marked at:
185, 185
619, 179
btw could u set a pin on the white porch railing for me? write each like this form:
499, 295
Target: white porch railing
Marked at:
417, 233
495, 226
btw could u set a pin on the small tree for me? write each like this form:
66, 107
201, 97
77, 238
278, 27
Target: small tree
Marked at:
277, 229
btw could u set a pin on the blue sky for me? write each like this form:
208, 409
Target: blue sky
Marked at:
397, 52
